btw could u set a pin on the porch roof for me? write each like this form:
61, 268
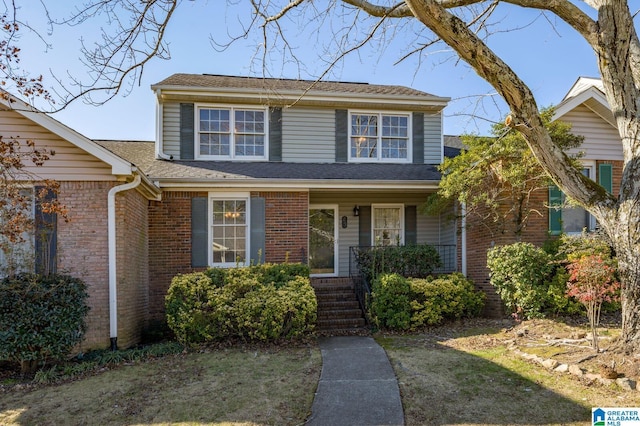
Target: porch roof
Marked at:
215, 172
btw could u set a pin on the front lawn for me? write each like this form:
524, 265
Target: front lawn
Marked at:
254, 386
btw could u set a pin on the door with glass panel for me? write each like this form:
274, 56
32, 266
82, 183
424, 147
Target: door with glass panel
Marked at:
323, 240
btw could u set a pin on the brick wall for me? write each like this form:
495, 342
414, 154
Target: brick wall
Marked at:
83, 251
169, 245
287, 226
132, 256
286, 223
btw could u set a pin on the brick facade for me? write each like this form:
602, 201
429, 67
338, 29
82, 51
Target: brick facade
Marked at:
481, 238
287, 226
83, 252
132, 230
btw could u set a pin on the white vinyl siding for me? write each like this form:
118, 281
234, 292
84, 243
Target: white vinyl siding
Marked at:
69, 162
308, 135
601, 141
432, 138
171, 129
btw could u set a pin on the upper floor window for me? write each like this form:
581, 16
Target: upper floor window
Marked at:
379, 137
231, 133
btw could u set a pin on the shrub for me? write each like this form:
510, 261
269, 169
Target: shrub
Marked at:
401, 303
41, 317
521, 274
417, 261
260, 302
592, 282
444, 298
391, 304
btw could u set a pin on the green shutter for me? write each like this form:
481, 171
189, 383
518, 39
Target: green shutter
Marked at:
605, 177
418, 137
410, 225
199, 232
187, 132
46, 240
555, 210
342, 136
275, 134
257, 231
364, 226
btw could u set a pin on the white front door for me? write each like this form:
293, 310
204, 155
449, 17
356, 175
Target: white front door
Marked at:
323, 240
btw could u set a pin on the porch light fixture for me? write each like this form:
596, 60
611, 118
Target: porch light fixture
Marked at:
356, 210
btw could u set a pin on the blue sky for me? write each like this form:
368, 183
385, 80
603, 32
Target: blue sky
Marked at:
547, 54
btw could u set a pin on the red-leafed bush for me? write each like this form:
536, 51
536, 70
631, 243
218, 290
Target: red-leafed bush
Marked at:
592, 282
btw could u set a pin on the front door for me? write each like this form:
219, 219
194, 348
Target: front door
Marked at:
323, 240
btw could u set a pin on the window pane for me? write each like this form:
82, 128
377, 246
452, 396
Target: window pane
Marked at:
387, 228
229, 231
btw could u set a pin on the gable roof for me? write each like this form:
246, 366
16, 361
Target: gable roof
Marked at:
119, 166
273, 174
589, 92
277, 91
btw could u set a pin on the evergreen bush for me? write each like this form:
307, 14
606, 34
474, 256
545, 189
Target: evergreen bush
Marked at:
42, 317
260, 302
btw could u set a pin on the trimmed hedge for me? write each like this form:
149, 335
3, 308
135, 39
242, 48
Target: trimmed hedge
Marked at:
41, 317
417, 261
401, 303
261, 302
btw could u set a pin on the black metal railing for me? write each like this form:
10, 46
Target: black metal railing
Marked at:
448, 259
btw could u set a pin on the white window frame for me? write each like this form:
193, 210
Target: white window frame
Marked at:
373, 221
378, 158
232, 134
591, 221
229, 196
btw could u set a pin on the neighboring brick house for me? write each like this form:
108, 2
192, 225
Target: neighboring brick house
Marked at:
89, 177
586, 109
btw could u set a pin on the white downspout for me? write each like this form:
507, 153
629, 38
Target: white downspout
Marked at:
159, 142
463, 239
111, 230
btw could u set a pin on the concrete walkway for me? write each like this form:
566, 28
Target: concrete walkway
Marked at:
357, 385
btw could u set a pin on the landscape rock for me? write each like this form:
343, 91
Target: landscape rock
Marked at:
562, 368
576, 371
626, 383
550, 363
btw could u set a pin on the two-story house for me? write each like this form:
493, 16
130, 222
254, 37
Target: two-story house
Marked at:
255, 170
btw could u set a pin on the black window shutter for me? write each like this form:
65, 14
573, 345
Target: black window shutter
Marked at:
199, 232
364, 226
187, 132
275, 134
410, 225
257, 232
418, 137
46, 239
342, 136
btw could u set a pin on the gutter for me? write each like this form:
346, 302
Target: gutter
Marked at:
463, 239
111, 230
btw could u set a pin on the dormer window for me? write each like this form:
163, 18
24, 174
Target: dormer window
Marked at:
383, 137
231, 133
